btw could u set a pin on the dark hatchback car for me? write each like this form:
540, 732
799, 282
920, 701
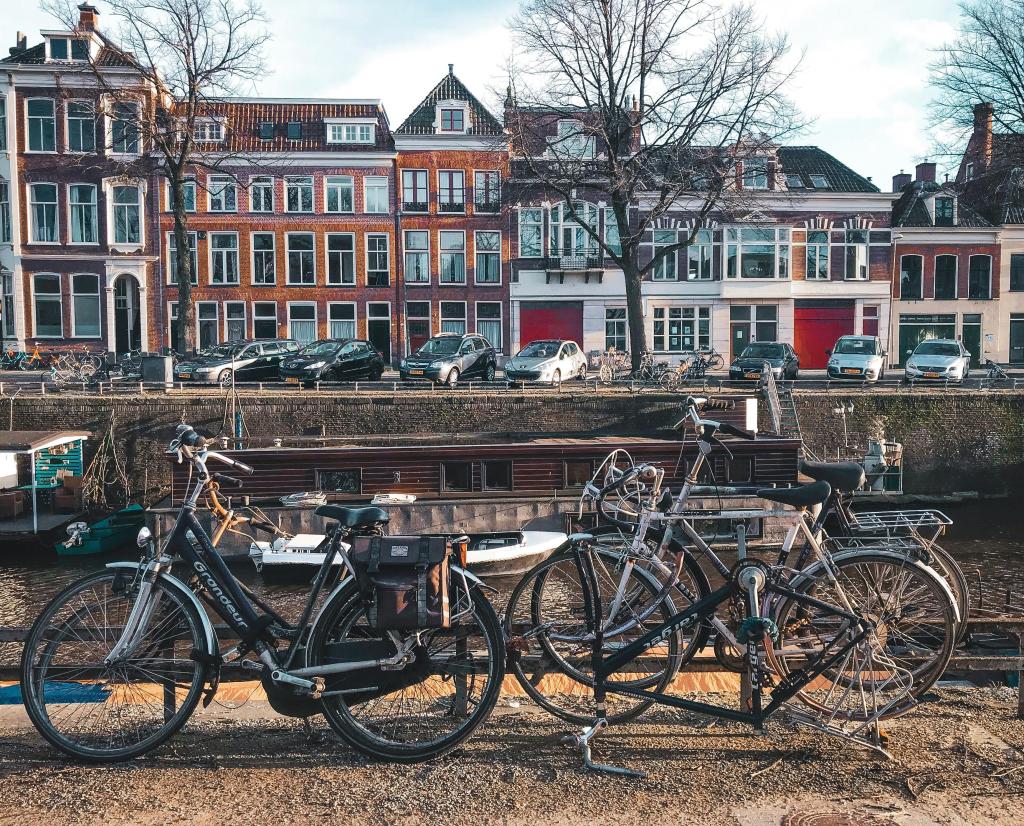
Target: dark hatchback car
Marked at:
333, 359
448, 357
785, 363
244, 360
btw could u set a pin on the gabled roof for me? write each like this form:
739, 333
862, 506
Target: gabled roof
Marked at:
33, 54
805, 161
421, 121
36, 55
911, 209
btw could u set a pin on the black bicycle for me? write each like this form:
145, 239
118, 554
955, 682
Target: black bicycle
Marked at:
118, 661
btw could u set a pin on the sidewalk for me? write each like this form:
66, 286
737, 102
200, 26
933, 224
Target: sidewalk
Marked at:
958, 760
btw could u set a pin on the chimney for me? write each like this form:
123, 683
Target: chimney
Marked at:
451, 68
982, 138
925, 171
87, 15
900, 181
20, 43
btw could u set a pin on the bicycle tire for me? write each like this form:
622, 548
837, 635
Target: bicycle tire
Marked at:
949, 569
344, 610
714, 362
108, 684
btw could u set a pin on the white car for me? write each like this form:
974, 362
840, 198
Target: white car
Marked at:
938, 358
547, 360
857, 357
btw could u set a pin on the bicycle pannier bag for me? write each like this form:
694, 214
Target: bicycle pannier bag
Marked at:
405, 579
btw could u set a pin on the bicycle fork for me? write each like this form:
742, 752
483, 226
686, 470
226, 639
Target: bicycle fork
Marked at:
145, 605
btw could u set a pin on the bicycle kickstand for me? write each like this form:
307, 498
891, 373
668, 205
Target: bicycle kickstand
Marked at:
582, 742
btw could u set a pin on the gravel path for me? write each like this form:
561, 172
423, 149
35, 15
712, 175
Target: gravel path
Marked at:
958, 760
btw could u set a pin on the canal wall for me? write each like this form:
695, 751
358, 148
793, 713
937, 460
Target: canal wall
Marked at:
956, 440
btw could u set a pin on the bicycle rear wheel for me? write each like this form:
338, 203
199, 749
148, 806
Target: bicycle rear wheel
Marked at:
97, 712
714, 362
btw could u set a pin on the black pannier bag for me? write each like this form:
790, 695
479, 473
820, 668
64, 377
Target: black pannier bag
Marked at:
405, 579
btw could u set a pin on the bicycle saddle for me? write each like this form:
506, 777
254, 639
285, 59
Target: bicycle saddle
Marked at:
846, 477
353, 517
803, 496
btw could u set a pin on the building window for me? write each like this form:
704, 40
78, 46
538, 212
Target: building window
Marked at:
81, 126
378, 265
578, 472
572, 141
299, 193
969, 171
261, 194
59, 48
3, 124
42, 130
124, 130
302, 322
127, 209
453, 120
85, 306
453, 257
531, 233
486, 191
979, 278
172, 323
172, 258
5, 213
264, 319
82, 201
350, 133
456, 476
453, 317
856, 255
1016, 267
755, 174
451, 196
188, 194
341, 258
264, 262
208, 130
341, 320
871, 319
817, 255
266, 131
757, 252
819, 182
301, 258
234, 321
682, 329
417, 324
223, 194
340, 193
700, 257
913, 329
760, 321
910, 277
569, 236
375, 194
414, 190
417, 256
615, 329
794, 182
488, 257
664, 267
943, 212
208, 323
488, 322
294, 130
223, 258
7, 319
43, 199
49, 321
612, 237
496, 475
945, 277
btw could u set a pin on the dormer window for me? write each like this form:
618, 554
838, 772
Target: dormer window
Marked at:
755, 174
944, 212
794, 182
339, 132
453, 120
819, 182
969, 171
572, 141
209, 130
68, 48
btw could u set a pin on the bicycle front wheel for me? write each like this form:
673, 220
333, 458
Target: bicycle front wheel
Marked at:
714, 362
98, 711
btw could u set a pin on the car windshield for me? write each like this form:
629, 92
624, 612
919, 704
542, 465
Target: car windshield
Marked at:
539, 350
444, 346
937, 348
856, 347
220, 351
763, 351
321, 348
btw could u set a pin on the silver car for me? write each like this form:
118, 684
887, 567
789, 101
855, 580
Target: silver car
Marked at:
857, 357
938, 358
548, 360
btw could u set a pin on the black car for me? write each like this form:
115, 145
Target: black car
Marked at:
333, 359
785, 363
243, 360
448, 357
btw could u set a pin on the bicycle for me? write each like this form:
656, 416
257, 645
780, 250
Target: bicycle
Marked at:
117, 662
994, 372
650, 371
692, 369
12, 359
613, 365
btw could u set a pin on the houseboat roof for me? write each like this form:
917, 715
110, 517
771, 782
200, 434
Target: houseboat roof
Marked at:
29, 441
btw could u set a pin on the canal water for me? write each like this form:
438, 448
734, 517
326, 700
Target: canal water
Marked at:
986, 537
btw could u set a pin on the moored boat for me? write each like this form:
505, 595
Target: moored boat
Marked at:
110, 534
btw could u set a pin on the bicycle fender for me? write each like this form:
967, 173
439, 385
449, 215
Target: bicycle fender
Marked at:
172, 582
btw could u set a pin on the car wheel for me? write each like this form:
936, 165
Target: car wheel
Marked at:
489, 373
556, 378
224, 378
376, 373
452, 378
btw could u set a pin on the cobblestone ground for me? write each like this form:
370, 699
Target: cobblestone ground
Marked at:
958, 760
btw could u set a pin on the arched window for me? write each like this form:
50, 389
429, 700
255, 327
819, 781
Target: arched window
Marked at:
568, 236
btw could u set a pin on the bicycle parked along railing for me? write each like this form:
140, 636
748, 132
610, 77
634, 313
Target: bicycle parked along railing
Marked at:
693, 368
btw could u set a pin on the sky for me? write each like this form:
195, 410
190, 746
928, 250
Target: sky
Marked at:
862, 80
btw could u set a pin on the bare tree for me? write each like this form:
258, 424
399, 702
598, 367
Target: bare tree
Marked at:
670, 96
185, 55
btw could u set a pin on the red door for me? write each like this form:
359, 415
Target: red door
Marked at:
817, 325
550, 319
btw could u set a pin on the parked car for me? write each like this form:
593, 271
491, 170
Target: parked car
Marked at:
333, 359
857, 357
782, 357
549, 360
448, 357
245, 360
938, 358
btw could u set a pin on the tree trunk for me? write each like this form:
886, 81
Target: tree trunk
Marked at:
634, 309
182, 275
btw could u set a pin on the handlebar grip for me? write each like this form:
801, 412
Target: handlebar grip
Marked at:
719, 404
224, 479
725, 427
248, 471
262, 525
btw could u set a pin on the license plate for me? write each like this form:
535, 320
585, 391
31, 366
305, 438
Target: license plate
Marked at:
751, 375
291, 380
415, 372
184, 375
853, 371
933, 375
